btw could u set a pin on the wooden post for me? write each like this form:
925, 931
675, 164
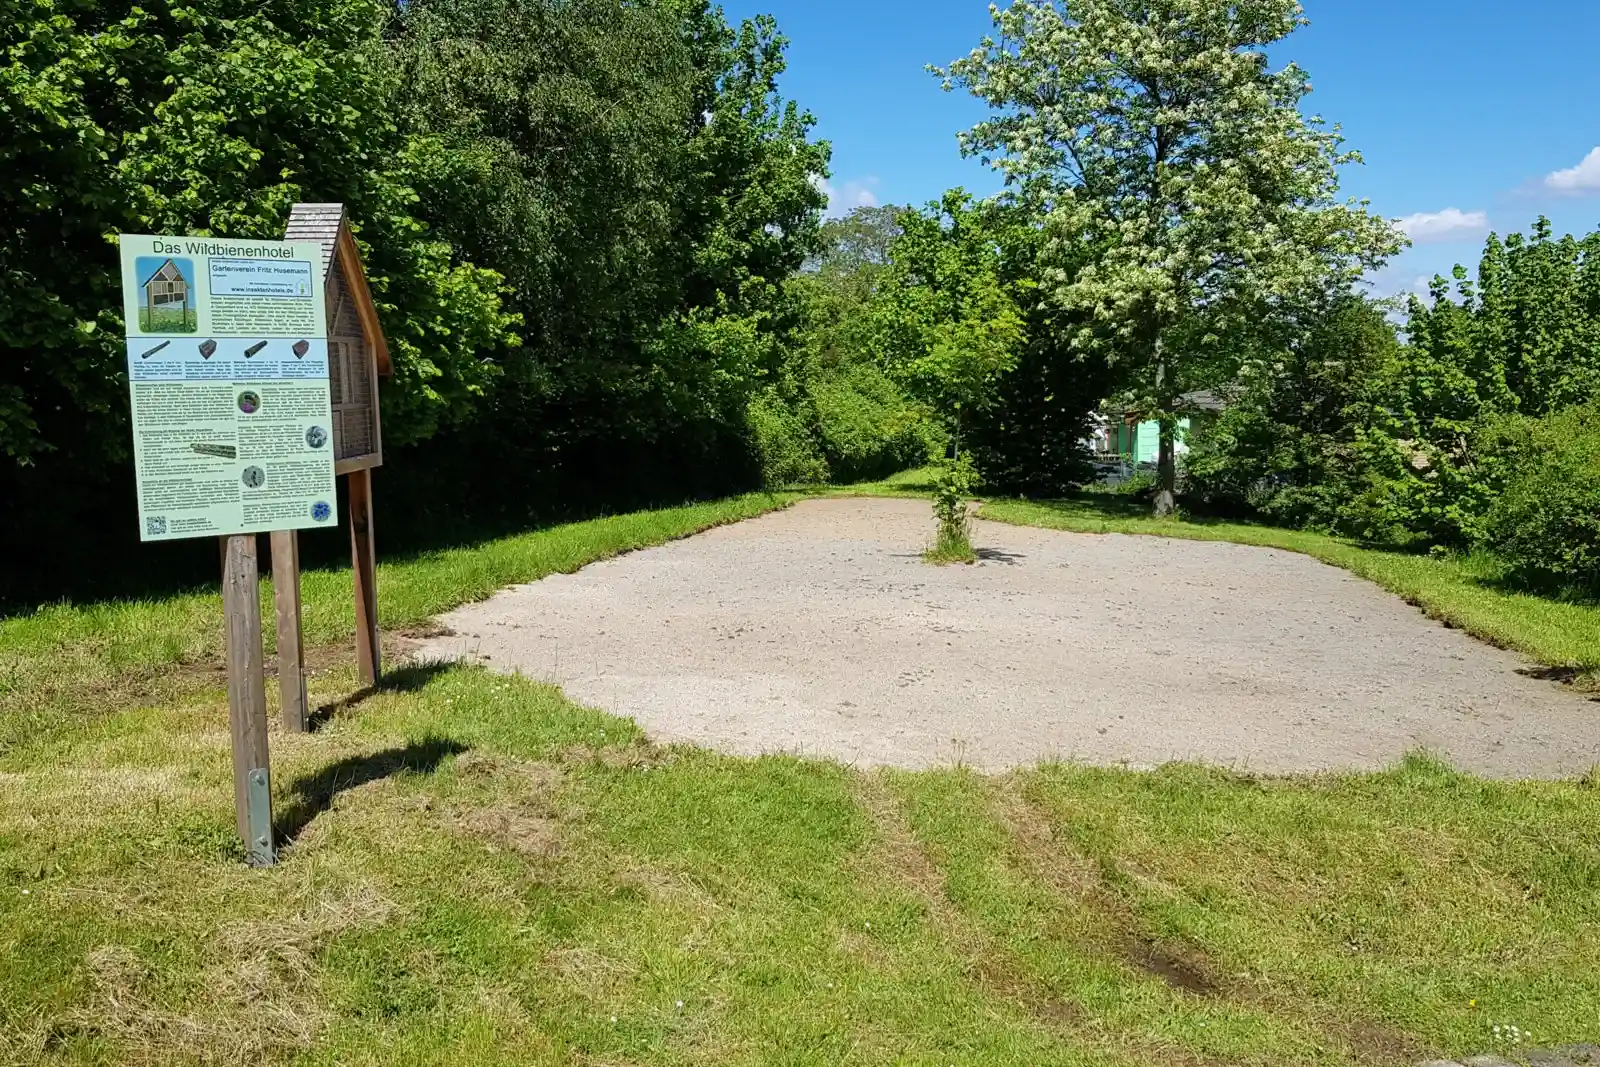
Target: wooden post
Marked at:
368, 652
291, 643
247, 699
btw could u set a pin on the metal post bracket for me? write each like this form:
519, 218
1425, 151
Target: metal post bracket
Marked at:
260, 849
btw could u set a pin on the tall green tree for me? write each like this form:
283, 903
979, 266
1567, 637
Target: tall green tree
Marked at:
1285, 445
578, 218
1156, 135
633, 172
948, 327
862, 421
853, 251
209, 119
840, 280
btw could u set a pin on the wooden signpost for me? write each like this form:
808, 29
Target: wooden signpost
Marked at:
268, 425
291, 644
247, 699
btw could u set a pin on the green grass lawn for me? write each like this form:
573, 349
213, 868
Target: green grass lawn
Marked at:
481, 872
168, 320
917, 482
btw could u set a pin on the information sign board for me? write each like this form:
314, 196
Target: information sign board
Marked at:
227, 345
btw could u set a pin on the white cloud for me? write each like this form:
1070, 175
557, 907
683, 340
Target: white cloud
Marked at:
843, 199
1584, 178
1426, 227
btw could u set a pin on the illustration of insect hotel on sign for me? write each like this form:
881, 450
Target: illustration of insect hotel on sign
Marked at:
168, 306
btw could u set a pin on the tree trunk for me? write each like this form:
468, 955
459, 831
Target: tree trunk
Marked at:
1167, 469
1166, 456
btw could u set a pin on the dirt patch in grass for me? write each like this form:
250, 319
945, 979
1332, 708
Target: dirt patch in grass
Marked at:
1056, 864
1187, 970
1378, 1044
534, 837
527, 814
818, 631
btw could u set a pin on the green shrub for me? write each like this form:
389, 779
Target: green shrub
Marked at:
781, 436
868, 427
952, 485
1546, 522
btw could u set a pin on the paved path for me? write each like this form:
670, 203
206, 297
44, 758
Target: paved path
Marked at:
819, 630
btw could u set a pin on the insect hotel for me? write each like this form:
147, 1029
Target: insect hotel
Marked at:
164, 289
358, 356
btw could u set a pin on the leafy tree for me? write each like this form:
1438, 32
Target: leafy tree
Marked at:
549, 136
1522, 339
634, 173
839, 282
1286, 442
1540, 316
854, 251
578, 217
1157, 137
1423, 473
862, 422
1420, 443
1546, 521
948, 327
207, 120
1031, 438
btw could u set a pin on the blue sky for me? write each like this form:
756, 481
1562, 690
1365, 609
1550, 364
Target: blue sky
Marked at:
1471, 114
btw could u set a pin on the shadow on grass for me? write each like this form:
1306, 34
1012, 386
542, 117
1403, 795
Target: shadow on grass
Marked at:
1119, 507
1114, 507
411, 678
313, 794
1551, 674
106, 564
1508, 581
1586, 682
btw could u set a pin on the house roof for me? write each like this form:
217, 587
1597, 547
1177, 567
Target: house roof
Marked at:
1199, 400
1203, 400
329, 226
163, 269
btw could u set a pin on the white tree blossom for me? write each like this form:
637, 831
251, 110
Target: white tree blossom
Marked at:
1187, 197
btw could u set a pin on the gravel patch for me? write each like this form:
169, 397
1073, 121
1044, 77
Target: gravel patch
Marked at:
820, 631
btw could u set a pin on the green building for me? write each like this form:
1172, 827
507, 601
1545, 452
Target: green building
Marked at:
1140, 440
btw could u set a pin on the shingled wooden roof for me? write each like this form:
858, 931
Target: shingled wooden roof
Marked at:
328, 225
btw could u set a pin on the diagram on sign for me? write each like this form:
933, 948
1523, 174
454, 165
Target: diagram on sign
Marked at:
168, 295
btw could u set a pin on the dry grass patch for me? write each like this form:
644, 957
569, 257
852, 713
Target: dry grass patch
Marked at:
260, 999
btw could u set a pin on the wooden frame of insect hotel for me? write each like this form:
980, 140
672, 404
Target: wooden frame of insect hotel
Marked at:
358, 356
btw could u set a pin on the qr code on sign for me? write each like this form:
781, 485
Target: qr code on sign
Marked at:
155, 525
